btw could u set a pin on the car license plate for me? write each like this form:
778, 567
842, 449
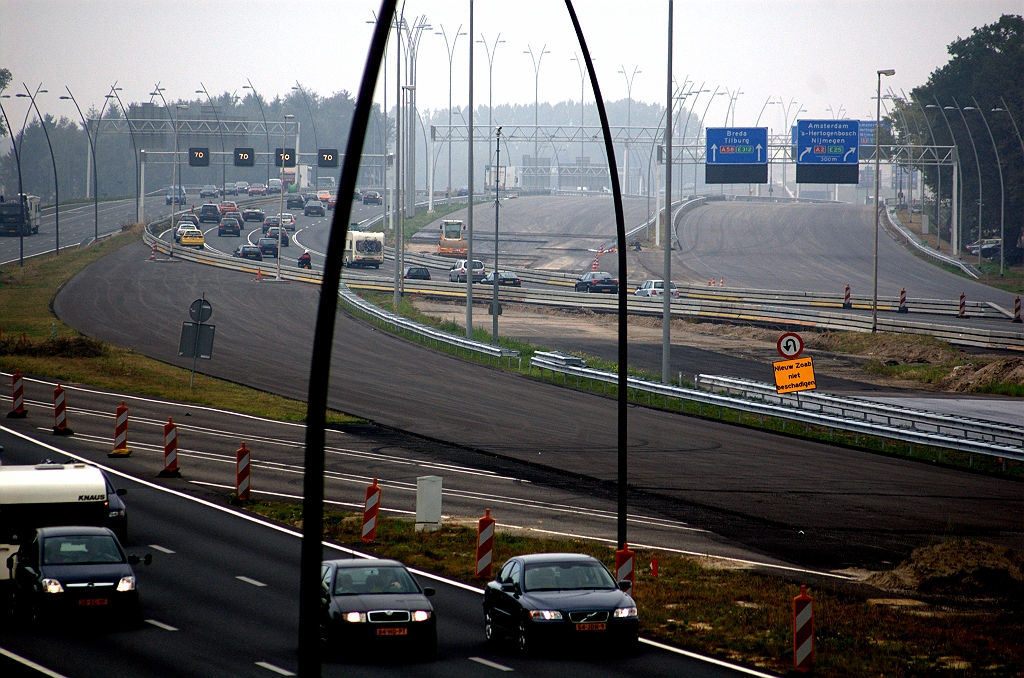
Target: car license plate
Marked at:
391, 631
600, 626
92, 602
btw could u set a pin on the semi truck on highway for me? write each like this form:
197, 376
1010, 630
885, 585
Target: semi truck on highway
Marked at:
364, 249
452, 243
20, 217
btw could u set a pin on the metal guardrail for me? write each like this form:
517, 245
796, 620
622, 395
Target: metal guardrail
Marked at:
866, 410
924, 249
808, 418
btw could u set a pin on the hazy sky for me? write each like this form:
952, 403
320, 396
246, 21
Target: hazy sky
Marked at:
821, 53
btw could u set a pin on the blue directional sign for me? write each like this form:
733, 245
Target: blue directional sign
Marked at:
736, 155
827, 151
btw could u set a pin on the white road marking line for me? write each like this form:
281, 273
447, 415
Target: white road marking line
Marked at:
31, 664
161, 549
161, 625
709, 660
493, 665
276, 669
249, 581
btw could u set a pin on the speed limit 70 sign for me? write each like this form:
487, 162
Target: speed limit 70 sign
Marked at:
245, 157
790, 345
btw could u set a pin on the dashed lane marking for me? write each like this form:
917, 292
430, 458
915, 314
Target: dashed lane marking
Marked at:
493, 665
276, 669
161, 625
249, 581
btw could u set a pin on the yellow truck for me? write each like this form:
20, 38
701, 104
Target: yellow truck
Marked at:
452, 243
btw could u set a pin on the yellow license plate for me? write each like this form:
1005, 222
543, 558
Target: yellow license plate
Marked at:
600, 626
392, 632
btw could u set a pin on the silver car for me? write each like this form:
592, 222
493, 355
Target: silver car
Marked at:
656, 288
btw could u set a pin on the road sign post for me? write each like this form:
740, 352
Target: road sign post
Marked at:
828, 151
736, 155
196, 338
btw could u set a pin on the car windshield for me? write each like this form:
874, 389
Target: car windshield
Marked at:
351, 581
81, 550
567, 576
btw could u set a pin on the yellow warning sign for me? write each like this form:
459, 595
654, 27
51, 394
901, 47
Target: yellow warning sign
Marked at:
794, 375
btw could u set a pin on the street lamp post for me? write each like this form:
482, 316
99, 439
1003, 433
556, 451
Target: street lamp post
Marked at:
536, 102
489, 51
53, 161
135, 149
223, 146
497, 209
21, 188
878, 119
95, 178
938, 175
629, 117
316, 140
957, 181
259, 102
284, 149
583, 136
1006, 109
1002, 188
977, 164
450, 48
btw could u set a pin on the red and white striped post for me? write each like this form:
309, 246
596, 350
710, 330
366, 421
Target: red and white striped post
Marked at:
1016, 309
903, 300
18, 410
370, 510
596, 265
624, 570
242, 484
846, 298
963, 306
121, 448
485, 546
170, 451
152, 253
803, 631
60, 416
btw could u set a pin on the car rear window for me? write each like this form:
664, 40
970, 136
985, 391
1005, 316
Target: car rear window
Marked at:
81, 550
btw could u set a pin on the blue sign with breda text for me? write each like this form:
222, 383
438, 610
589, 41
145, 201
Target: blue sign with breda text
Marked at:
737, 145
827, 142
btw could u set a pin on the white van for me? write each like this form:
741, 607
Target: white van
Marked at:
45, 495
364, 249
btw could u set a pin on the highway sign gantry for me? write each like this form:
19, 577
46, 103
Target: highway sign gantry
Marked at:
828, 151
736, 155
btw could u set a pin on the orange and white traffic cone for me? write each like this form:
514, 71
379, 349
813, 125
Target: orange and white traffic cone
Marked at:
121, 448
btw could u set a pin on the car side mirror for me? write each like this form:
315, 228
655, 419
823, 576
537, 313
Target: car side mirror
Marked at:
428, 591
121, 492
509, 587
625, 585
10, 562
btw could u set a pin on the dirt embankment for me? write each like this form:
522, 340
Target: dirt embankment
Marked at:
964, 569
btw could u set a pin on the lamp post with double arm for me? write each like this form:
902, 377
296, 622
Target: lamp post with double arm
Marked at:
1002, 187
878, 121
53, 161
21, 187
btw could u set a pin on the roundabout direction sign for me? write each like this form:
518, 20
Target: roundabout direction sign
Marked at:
790, 345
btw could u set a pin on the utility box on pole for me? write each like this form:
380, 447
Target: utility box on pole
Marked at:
428, 503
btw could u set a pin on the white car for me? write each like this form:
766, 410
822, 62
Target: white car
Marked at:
288, 220
655, 288
457, 273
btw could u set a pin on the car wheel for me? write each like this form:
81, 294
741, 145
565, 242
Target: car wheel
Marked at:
490, 633
523, 642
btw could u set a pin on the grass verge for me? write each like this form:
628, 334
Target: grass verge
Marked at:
856, 342
34, 341
741, 616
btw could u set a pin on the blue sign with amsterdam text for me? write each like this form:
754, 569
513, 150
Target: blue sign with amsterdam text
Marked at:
737, 145
827, 142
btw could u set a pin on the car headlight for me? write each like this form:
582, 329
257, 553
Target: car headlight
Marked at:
625, 612
545, 615
421, 615
355, 617
126, 584
116, 514
52, 586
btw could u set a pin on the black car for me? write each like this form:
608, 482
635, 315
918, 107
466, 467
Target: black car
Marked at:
559, 598
209, 191
295, 200
375, 601
267, 246
67, 571
597, 281
249, 252
372, 198
229, 225
229, 189
314, 207
272, 233
253, 214
416, 273
209, 212
270, 222
504, 278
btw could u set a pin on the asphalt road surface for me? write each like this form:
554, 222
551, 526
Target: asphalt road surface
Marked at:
220, 599
811, 504
808, 247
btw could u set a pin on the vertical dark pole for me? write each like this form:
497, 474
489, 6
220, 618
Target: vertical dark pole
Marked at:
56, 188
666, 310
21, 189
497, 207
620, 228
469, 200
320, 366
